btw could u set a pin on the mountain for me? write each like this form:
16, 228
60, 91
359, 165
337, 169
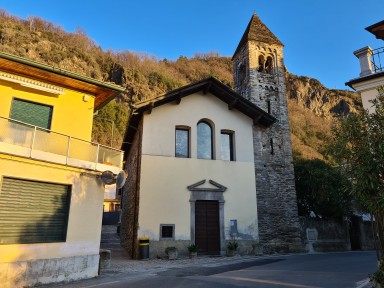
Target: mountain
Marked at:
313, 108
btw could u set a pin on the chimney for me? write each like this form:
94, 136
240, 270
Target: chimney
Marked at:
364, 55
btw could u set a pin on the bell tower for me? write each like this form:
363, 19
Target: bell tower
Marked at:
258, 67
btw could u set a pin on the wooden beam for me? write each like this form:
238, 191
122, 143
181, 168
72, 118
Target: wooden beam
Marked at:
207, 87
232, 105
256, 120
178, 98
150, 107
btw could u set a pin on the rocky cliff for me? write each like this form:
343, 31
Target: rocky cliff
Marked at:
310, 94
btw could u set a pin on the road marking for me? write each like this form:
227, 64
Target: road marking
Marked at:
362, 283
106, 283
267, 282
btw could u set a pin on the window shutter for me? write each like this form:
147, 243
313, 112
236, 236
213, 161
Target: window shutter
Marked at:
33, 212
32, 113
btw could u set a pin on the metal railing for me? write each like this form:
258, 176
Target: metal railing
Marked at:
376, 60
22, 139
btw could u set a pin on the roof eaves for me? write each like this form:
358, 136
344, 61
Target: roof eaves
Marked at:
60, 71
362, 79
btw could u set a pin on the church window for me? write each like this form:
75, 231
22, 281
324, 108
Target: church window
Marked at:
261, 63
204, 140
182, 142
268, 65
227, 147
241, 73
272, 151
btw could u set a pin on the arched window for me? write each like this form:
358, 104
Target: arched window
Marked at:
204, 140
261, 63
241, 73
268, 65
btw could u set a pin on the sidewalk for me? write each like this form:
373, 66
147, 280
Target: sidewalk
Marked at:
120, 262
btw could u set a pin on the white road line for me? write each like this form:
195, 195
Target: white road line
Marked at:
362, 283
106, 283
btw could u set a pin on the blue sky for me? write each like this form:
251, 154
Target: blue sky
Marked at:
319, 35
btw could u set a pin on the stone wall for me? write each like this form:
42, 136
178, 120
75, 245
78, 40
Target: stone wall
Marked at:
279, 228
131, 196
44, 271
328, 235
245, 247
367, 241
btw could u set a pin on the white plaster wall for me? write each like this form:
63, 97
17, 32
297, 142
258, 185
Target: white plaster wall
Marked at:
367, 96
159, 126
164, 197
85, 215
368, 91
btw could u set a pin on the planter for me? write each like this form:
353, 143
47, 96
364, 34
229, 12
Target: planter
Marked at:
172, 255
192, 255
231, 253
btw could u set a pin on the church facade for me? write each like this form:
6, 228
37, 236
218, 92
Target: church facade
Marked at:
209, 165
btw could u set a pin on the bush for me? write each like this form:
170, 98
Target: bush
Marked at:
232, 245
193, 248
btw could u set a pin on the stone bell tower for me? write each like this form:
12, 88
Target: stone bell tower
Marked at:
258, 68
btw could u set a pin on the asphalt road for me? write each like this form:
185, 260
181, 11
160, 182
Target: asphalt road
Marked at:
328, 270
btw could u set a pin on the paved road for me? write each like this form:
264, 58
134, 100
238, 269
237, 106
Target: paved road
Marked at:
328, 270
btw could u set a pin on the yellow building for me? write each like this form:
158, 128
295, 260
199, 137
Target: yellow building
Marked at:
51, 193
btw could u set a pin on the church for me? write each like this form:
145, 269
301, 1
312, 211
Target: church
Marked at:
209, 165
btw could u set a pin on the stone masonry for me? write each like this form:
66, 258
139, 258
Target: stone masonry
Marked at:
44, 271
259, 77
130, 198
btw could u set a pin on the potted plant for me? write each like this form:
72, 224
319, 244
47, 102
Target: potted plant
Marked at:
171, 251
192, 249
232, 246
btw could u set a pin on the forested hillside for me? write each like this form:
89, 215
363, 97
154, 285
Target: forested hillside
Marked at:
313, 108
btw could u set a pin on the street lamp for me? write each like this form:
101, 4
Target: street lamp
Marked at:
112, 125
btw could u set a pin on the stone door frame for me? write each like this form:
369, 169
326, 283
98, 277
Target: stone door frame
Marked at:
208, 194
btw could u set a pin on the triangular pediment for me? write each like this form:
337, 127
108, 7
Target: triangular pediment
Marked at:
198, 186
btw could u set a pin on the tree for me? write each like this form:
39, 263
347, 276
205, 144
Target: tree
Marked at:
358, 145
320, 190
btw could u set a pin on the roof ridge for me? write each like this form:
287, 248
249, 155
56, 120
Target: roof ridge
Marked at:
257, 31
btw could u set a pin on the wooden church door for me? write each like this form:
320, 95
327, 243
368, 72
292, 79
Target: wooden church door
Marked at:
207, 226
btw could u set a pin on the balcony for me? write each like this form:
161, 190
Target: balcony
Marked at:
22, 139
377, 65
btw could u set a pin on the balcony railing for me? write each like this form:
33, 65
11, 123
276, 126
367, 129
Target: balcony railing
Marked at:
376, 60
22, 139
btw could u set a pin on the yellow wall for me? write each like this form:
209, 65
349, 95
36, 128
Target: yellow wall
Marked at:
84, 223
71, 115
